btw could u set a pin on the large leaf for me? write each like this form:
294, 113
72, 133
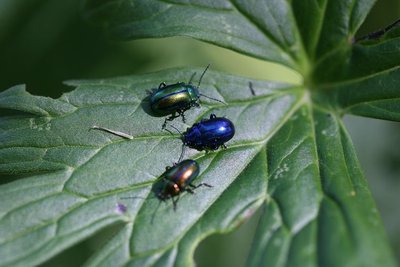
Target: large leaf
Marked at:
266, 30
88, 172
290, 150
368, 85
318, 201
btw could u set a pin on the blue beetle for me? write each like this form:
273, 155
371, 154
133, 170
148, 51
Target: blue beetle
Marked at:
209, 134
175, 99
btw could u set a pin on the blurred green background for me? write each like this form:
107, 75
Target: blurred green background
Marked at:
44, 42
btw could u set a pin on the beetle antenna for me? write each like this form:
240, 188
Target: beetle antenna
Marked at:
171, 131
201, 77
176, 129
182, 152
191, 78
183, 144
155, 211
213, 99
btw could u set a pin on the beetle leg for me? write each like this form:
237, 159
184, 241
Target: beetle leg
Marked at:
197, 186
162, 85
181, 113
224, 146
164, 124
170, 118
174, 202
190, 190
173, 116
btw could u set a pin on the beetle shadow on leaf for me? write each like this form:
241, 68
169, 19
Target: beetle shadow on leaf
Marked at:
157, 188
145, 104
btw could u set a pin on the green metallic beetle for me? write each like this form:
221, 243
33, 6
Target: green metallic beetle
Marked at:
175, 99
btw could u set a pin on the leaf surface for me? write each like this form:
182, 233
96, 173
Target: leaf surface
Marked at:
320, 200
266, 30
79, 176
291, 152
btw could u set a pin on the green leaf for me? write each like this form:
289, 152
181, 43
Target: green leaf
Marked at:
329, 25
88, 172
243, 195
265, 30
291, 151
308, 218
348, 206
287, 232
369, 85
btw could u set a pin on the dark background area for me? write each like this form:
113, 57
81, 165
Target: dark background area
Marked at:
44, 42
